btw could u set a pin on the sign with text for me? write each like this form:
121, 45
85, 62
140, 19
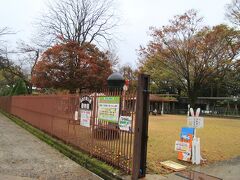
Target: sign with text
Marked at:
108, 108
86, 102
195, 122
125, 123
182, 146
85, 118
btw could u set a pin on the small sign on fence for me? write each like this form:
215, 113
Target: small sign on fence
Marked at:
195, 122
125, 123
86, 102
85, 118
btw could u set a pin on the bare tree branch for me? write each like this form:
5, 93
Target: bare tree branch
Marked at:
233, 12
5, 31
79, 21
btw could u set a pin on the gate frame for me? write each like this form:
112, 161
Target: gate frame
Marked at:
141, 127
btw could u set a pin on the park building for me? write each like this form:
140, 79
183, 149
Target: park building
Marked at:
172, 104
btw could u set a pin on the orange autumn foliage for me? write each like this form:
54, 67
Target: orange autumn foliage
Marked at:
71, 66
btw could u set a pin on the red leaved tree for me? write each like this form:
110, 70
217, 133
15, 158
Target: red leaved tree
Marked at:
71, 66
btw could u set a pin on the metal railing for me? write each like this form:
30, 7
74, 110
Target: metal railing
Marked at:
54, 114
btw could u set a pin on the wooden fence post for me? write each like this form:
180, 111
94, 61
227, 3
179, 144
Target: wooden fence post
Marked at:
141, 127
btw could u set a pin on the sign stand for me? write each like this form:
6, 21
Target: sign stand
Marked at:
194, 122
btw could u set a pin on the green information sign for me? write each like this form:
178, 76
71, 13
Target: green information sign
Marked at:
108, 108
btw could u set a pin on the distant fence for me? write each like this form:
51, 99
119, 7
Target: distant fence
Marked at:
54, 114
218, 112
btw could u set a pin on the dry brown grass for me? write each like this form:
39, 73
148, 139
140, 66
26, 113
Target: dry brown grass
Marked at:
220, 139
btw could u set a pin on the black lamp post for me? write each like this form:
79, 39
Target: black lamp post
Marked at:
115, 81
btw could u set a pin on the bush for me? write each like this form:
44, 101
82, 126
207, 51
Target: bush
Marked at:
5, 91
19, 89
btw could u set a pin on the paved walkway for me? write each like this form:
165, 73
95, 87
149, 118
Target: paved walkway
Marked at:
226, 170
25, 157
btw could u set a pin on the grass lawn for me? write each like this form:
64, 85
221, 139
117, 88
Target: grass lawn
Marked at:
220, 139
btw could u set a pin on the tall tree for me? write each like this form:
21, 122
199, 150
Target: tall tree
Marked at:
129, 74
114, 59
231, 81
222, 45
10, 74
233, 12
79, 21
71, 66
162, 80
192, 53
11, 71
28, 55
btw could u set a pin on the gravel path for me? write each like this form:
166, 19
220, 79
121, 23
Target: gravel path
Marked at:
25, 157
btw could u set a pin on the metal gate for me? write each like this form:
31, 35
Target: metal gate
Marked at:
103, 124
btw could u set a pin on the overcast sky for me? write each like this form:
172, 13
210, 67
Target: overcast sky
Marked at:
136, 18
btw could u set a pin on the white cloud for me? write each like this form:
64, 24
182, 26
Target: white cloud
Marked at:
137, 16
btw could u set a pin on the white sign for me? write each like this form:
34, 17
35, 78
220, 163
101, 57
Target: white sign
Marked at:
182, 146
85, 118
125, 123
195, 122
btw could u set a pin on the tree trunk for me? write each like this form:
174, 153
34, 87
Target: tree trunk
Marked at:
192, 96
30, 88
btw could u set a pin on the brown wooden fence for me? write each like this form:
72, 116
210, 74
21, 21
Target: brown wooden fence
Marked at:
101, 138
